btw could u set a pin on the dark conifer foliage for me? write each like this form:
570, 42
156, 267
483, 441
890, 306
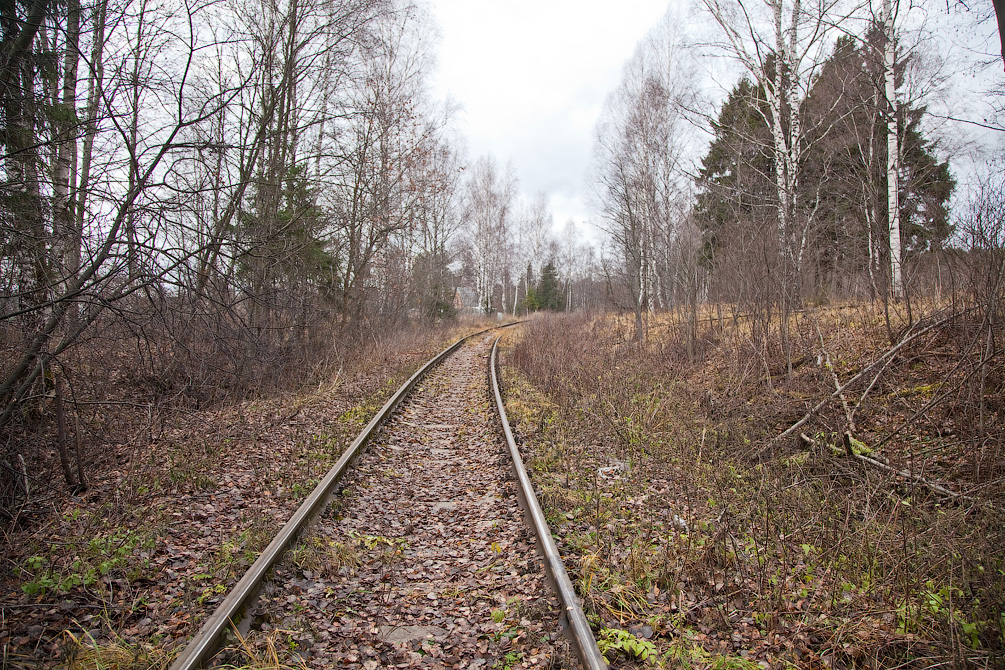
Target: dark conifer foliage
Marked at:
549, 290
843, 186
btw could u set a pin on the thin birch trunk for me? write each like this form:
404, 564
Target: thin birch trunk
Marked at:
892, 151
66, 228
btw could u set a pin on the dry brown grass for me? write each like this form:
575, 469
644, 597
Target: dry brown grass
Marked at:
181, 501
788, 550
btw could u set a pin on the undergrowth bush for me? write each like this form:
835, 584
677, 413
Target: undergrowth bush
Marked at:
789, 538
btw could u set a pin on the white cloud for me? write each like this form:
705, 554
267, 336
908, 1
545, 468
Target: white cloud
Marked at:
532, 76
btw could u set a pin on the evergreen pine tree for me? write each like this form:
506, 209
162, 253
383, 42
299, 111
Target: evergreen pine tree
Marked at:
549, 289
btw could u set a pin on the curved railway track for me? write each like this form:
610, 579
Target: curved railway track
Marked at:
421, 549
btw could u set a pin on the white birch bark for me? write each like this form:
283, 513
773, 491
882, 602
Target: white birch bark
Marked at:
892, 149
781, 44
67, 232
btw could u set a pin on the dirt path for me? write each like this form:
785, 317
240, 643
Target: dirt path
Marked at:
424, 560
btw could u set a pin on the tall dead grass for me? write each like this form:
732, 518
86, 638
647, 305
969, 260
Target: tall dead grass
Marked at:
153, 363
860, 566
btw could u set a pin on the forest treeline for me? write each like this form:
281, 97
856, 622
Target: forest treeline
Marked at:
205, 198
231, 185
823, 178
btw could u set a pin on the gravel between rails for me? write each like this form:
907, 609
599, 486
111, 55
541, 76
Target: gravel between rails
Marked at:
424, 560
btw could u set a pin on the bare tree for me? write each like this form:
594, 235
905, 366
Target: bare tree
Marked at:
533, 236
95, 285
211, 172
437, 222
640, 174
488, 212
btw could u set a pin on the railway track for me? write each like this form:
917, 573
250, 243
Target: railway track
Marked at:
424, 546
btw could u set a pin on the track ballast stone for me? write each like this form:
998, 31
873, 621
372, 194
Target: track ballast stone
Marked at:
424, 559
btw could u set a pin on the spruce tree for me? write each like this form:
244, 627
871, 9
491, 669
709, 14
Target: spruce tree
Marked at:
549, 289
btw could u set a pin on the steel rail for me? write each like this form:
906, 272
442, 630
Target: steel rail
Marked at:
232, 610
579, 629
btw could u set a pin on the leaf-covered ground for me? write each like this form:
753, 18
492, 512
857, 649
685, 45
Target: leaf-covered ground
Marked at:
697, 539
179, 505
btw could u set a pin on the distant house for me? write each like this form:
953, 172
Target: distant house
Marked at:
466, 301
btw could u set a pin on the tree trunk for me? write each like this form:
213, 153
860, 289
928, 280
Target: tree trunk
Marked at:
17, 130
64, 459
67, 230
94, 87
892, 152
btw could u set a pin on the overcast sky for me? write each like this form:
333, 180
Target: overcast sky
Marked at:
531, 77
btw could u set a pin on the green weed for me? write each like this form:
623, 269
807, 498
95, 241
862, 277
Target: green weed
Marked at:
613, 641
110, 556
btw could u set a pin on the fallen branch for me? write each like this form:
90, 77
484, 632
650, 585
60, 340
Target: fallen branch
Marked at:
868, 388
848, 412
936, 399
888, 354
917, 479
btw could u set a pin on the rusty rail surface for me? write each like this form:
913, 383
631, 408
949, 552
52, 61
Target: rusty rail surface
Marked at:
578, 629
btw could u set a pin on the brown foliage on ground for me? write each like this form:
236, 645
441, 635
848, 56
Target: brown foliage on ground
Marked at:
690, 524
180, 502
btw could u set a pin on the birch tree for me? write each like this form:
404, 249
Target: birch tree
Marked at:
907, 83
887, 19
640, 172
780, 45
489, 199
